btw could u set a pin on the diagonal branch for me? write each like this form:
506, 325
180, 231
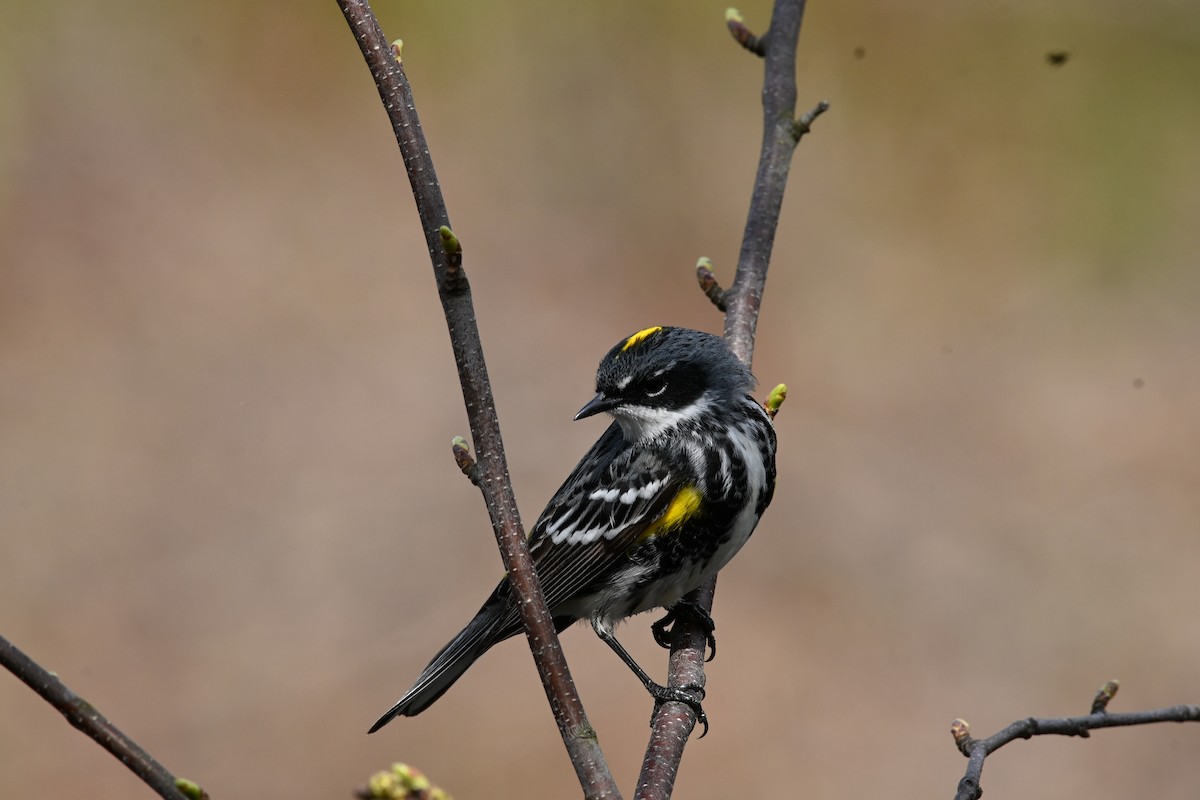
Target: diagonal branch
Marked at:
493, 480
673, 723
84, 716
976, 750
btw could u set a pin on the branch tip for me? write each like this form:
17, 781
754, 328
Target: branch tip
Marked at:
741, 34
804, 124
1107, 692
708, 283
961, 731
775, 399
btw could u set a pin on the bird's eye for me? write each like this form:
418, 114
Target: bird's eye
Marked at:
654, 386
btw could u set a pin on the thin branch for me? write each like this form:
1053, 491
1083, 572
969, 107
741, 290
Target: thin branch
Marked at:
976, 750
494, 483
709, 285
84, 716
673, 723
779, 142
804, 124
742, 35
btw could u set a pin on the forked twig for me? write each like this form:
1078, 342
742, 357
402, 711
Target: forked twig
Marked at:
976, 750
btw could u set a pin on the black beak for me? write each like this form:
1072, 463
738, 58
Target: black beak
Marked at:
597, 404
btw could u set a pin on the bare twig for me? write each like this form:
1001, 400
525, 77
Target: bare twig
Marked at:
84, 716
1103, 697
804, 124
708, 283
976, 750
742, 35
494, 483
673, 723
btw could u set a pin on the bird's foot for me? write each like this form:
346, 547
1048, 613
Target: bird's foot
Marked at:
687, 611
690, 695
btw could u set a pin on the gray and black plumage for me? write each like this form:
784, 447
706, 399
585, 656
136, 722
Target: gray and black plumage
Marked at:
656, 507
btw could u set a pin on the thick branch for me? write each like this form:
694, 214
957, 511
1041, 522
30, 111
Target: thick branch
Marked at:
673, 723
494, 483
84, 716
976, 750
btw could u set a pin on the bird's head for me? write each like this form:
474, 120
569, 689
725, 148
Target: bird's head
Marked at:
659, 377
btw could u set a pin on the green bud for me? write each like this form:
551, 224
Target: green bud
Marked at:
776, 398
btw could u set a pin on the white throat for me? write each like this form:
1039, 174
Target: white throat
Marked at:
640, 423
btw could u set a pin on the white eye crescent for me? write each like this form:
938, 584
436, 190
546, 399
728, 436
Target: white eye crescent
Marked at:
655, 387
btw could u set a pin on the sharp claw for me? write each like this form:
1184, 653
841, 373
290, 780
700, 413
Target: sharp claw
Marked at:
661, 635
659, 629
695, 614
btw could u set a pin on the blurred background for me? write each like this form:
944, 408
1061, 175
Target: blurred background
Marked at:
229, 516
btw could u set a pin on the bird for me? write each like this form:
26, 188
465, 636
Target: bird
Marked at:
662, 501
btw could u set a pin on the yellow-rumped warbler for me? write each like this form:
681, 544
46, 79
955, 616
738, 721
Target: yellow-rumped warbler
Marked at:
662, 501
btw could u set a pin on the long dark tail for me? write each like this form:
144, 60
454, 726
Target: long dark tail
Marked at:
452, 661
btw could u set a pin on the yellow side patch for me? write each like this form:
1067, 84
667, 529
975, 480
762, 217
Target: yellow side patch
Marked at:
640, 336
684, 506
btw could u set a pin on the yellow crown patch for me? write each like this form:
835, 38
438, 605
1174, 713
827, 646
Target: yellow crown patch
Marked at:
640, 336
